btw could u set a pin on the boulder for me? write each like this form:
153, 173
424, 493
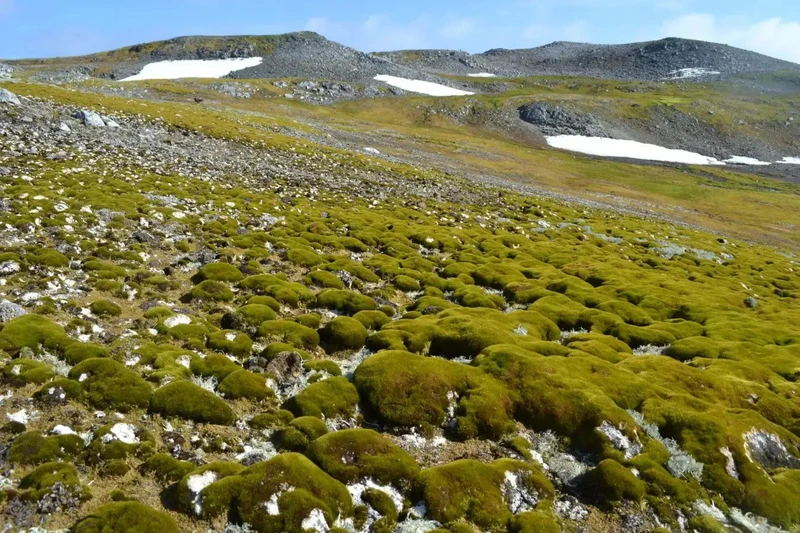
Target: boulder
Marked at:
7, 97
9, 311
89, 118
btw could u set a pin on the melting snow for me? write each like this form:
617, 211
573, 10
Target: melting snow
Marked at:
605, 147
790, 161
195, 68
482, 75
685, 73
740, 160
422, 87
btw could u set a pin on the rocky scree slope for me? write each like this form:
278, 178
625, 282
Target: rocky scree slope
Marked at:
291, 55
654, 60
186, 347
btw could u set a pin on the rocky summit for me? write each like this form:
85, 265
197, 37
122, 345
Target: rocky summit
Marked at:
293, 297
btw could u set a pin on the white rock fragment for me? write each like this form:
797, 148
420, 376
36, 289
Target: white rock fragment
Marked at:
177, 320
196, 484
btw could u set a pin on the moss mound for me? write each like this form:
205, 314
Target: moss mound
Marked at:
219, 272
329, 398
313, 489
244, 384
107, 384
346, 302
353, 454
105, 308
126, 517
184, 399
212, 291
33, 448
471, 490
20, 372
611, 482
33, 331
289, 332
343, 333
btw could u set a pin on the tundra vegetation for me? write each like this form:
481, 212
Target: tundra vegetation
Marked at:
233, 353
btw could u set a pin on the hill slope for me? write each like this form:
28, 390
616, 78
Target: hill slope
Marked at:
654, 60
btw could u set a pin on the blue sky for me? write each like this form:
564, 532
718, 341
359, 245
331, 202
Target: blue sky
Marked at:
40, 28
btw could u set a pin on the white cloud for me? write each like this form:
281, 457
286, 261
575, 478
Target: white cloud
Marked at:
774, 37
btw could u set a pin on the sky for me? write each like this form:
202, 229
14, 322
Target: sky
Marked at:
45, 28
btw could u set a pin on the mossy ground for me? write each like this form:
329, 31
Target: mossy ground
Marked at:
478, 320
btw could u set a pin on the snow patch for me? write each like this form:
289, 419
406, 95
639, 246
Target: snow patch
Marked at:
740, 160
194, 68
605, 147
62, 430
421, 87
790, 161
695, 72
482, 75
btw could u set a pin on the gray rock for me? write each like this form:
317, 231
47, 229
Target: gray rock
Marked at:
9, 267
7, 97
751, 302
286, 366
89, 118
769, 450
555, 120
9, 311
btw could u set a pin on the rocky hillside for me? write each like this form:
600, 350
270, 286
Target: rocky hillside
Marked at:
655, 60
291, 55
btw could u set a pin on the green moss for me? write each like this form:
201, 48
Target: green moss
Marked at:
309, 320
115, 468
158, 312
329, 398
534, 522
300, 432
691, 347
219, 272
241, 346
304, 258
48, 257
21, 372
107, 384
706, 524
216, 497
269, 301
166, 468
33, 331
216, 365
244, 384
408, 390
323, 365
78, 352
343, 333
126, 517
212, 291
346, 302
470, 490
105, 308
105, 447
373, 320
255, 314
33, 448
271, 420
40, 480
353, 454
406, 283
382, 503
325, 279
289, 332
184, 399
313, 489
72, 389
610, 482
